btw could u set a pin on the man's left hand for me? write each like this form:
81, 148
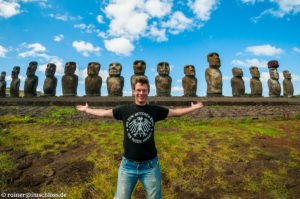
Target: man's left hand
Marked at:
197, 105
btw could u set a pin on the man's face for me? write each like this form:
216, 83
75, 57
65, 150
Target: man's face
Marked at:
141, 93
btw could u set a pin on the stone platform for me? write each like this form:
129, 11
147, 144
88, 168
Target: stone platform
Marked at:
164, 101
220, 108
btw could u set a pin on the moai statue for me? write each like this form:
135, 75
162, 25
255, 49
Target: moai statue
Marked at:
163, 81
15, 82
2, 84
115, 82
93, 81
273, 83
213, 76
50, 82
139, 67
189, 81
31, 81
288, 88
255, 83
237, 83
69, 80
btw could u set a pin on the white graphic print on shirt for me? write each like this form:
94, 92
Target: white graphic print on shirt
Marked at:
139, 127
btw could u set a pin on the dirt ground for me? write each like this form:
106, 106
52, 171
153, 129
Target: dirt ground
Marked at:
56, 168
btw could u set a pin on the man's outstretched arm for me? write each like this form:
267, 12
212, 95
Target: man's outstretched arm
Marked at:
183, 111
97, 112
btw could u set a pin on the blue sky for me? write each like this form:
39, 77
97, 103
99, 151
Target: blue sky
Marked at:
244, 32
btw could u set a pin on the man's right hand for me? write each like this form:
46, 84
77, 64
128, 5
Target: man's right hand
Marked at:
82, 108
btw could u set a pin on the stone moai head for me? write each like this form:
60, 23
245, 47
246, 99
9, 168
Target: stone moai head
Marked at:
237, 72
163, 68
273, 65
2, 78
139, 67
214, 60
93, 69
15, 72
287, 75
31, 69
189, 70
254, 72
50, 70
70, 68
115, 69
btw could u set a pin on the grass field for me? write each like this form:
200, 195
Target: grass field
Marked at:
216, 159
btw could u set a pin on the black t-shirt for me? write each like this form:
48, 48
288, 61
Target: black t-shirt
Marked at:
138, 122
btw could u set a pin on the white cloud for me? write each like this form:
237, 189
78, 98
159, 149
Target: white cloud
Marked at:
82, 74
58, 38
53, 59
128, 18
133, 19
59, 16
120, 46
80, 26
296, 49
36, 48
158, 34
251, 1
87, 28
250, 62
203, 8
264, 77
266, 50
178, 23
157, 8
3, 51
9, 8
177, 89
104, 74
85, 48
100, 19
284, 7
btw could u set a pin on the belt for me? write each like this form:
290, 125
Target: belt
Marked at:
139, 162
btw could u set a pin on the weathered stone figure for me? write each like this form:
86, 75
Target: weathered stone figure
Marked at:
139, 67
189, 81
273, 83
31, 81
50, 82
115, 82
163, 81
255, 83
15, 82
288, 88
237, 83
213, 76
2, 84
93, 81
70, 80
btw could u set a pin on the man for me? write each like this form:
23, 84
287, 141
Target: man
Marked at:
140, 160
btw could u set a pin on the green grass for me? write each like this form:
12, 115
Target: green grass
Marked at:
195, 156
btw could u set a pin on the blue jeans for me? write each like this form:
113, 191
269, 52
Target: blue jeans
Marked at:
147, 172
